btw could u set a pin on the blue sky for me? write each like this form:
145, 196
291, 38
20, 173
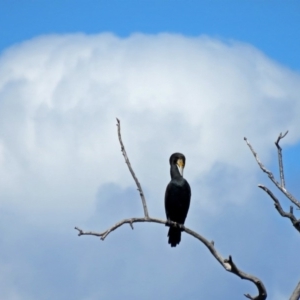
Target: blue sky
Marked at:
189, 76
271, 26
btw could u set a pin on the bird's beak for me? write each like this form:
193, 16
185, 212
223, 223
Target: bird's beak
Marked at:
180, 166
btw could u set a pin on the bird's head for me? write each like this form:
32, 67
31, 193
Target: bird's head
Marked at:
178, 159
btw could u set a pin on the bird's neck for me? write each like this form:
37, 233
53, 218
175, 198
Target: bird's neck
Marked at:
175, 173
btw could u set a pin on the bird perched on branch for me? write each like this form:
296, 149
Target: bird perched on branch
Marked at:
177, 198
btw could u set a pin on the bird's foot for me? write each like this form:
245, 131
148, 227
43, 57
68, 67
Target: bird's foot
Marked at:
168, 223
181, 226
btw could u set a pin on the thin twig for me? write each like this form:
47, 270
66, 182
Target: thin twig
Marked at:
271, 176
227, 264
296, 293
290, 215
280, 137
139, 187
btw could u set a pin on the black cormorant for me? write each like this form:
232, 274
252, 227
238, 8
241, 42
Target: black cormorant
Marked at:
177, 197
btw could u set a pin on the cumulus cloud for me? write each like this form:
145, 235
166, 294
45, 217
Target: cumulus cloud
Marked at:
59, 153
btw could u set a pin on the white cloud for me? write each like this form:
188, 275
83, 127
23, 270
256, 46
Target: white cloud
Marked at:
59, 96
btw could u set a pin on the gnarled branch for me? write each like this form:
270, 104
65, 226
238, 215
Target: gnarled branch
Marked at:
227, 264
290, 215
260, 286
271, 176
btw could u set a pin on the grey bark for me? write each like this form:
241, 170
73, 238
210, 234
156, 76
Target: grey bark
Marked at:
227, 264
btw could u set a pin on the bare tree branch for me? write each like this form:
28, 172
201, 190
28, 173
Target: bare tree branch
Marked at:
271, 176
296, 293
281, 187
290, 215
260, 286
139, 187
104, 234
280, 158
227, 264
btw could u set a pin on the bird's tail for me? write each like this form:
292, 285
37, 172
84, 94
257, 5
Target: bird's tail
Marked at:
174, 236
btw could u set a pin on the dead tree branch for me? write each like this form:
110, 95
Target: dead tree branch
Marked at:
290, 215
227, 264
139, 187
271, 176
260, 286
105, 233
280, 158
296, 293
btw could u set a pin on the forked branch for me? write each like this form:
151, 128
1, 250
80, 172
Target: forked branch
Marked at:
270, 174
280, 158
290, 215
227, 264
